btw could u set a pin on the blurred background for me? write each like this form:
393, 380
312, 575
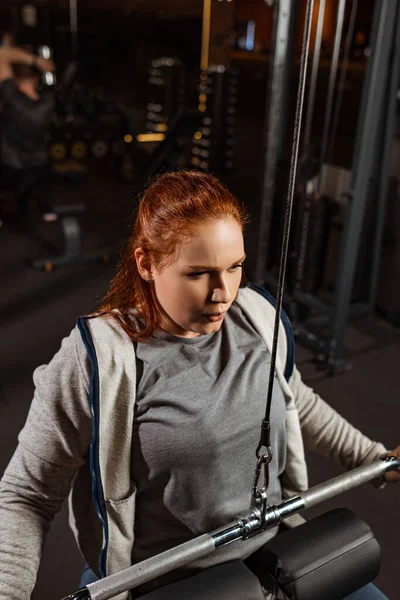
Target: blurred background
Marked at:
144, 86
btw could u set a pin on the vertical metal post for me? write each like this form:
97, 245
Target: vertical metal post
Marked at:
274, 123
388, 123
205, 35
73, 23
380, 56
367, 82
332, 79
341, 82
313, 81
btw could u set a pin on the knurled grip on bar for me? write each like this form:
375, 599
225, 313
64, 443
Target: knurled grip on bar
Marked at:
151, 568
347, 481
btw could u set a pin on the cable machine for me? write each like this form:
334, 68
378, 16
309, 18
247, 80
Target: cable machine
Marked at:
371, 155
333, 566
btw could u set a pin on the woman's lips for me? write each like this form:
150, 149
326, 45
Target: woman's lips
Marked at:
215, 317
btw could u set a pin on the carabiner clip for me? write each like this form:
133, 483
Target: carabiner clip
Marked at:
262, 461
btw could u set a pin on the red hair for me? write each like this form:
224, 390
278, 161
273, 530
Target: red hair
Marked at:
170, 210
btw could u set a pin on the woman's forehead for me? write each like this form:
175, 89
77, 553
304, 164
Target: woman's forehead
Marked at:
214, 242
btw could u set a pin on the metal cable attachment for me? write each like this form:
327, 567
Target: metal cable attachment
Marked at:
264, 458
262, 461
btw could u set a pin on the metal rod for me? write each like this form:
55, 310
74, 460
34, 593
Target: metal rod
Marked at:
205, 36
389, 119
342, 79
313, 81
73, 23
343, 483
372, 44
274, 125
151, 568
241, 529
386, 13
332, 80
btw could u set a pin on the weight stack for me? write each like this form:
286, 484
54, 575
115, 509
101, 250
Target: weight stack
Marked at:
167, 82
309, 242
213, 145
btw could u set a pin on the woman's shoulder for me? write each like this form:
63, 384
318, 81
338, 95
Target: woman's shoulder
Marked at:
254, 296
259, 306
67, 374
109, 326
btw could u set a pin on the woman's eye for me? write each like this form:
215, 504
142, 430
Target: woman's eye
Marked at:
235, 267
200, 273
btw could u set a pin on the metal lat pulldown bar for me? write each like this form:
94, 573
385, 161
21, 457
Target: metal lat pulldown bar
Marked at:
242, 529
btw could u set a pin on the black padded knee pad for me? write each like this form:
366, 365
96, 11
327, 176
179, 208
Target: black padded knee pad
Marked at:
231, 580
326, 558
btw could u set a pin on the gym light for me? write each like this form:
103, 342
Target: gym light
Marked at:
150, 137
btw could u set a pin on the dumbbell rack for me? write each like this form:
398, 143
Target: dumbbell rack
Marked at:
166, 94
213, 144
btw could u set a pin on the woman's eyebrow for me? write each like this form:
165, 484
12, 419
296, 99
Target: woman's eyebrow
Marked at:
208, 268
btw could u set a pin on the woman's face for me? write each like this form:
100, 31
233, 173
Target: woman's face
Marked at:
197, 289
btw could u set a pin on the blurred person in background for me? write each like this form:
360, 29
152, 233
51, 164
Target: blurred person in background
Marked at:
7, 39
25, 113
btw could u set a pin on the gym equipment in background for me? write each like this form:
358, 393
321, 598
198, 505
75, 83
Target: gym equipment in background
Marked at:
319, 320
169, 154
214, 142
88, 125
48, 78
167, 86
68, 215
313, 210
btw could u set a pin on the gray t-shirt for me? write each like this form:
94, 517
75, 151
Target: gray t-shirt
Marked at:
199, 407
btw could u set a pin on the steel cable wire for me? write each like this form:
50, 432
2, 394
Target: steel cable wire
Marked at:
289, 201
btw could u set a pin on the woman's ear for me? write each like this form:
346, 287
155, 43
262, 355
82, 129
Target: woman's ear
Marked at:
143, 264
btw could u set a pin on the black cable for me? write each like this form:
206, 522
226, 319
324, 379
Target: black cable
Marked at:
265, 428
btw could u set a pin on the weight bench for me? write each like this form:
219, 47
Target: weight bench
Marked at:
69, 216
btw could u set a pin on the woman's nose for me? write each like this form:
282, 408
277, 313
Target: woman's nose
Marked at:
221, 292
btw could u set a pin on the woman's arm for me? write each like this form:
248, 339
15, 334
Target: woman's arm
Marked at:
8, 56
326, 432
52, 445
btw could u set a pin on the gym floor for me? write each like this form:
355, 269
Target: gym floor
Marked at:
39, 308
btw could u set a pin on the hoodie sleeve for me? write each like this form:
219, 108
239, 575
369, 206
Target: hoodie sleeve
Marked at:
329, 434
53, 444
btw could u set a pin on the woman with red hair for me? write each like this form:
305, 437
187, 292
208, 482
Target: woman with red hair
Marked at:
149, 414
